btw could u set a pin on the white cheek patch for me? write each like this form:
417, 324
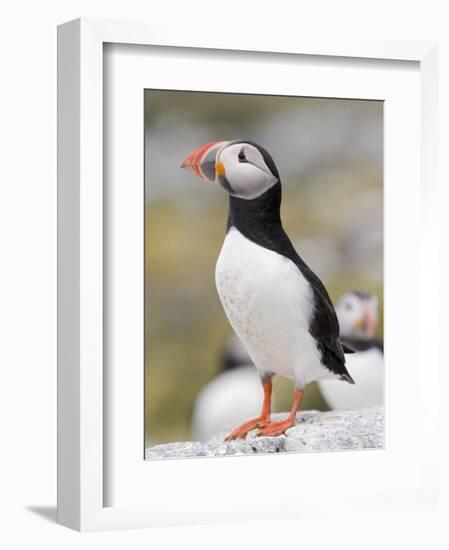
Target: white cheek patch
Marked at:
248, 179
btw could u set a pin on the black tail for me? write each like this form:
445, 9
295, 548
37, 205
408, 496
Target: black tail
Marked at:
347, 378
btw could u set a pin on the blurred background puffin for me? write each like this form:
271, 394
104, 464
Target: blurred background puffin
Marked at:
357, 315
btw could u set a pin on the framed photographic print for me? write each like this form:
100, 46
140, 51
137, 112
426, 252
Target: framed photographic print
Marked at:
237, 226
200, 376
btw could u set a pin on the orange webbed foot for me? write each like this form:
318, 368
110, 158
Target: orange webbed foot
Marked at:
241, 431
273, 429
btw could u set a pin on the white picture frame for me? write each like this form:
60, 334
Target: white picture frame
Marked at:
82, 408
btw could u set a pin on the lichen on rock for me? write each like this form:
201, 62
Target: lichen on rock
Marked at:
314, 431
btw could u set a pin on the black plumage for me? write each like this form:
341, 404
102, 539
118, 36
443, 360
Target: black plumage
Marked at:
259, 220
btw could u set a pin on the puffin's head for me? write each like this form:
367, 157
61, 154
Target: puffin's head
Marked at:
245, 169
357, 315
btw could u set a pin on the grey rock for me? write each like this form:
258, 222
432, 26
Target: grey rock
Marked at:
314, 431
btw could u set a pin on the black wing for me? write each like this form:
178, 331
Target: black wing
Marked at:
324, 326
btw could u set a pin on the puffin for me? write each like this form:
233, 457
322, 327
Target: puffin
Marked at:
275, 303
230, 397
357, 315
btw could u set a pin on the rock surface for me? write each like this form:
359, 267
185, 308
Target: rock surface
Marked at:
314, 431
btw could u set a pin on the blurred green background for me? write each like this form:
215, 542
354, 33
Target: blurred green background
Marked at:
329, 153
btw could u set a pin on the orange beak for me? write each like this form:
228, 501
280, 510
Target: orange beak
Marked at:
367, 323
370, 323
202, 162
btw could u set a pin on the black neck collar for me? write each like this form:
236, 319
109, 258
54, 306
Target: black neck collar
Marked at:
251, 217
259, 220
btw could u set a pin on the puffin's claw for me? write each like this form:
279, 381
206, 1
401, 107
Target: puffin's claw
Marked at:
241, 431
273, 429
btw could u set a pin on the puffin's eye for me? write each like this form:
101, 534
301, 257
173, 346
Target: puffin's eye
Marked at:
348, 306
242, 157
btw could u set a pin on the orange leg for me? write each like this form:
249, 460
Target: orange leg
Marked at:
262, 420
278, 428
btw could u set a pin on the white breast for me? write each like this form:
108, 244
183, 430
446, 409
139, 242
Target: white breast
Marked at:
269, 305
